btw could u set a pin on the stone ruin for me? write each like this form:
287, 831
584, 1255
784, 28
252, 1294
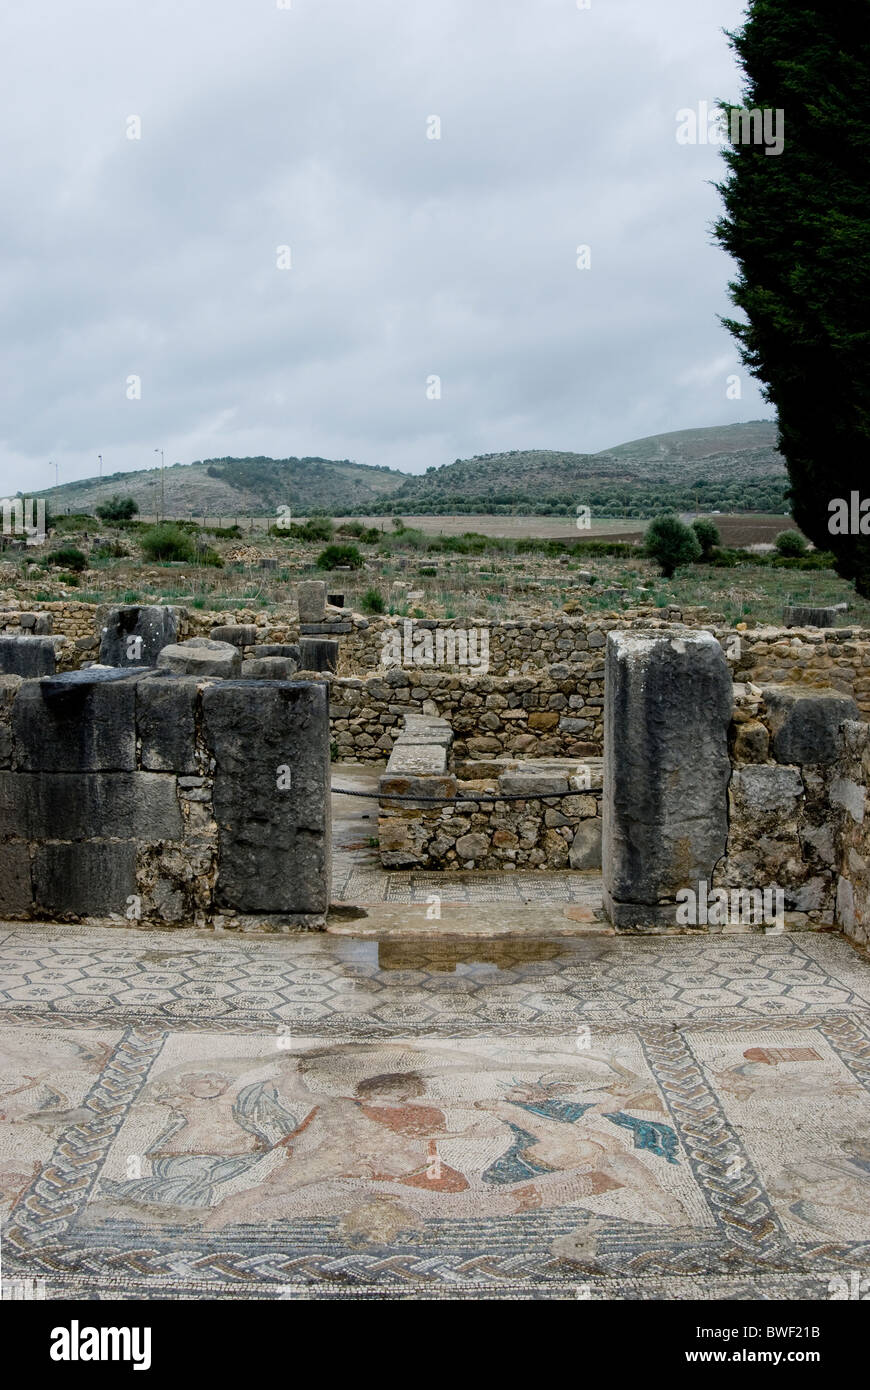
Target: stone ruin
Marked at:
184, 777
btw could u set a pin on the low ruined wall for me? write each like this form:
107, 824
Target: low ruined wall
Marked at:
797, 798
555, 714
533, 816
138, 797
835, 658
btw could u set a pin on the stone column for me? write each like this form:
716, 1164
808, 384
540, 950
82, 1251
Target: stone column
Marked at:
668, 704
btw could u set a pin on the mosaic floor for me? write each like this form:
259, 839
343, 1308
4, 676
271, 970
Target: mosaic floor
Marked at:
196, 1116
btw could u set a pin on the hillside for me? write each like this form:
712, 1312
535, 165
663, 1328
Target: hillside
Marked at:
728, 467
238, 486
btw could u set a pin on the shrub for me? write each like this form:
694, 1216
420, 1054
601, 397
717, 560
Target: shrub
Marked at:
118, 509
708, 536
76, 521
790, 543
316, 528
335, 555
226, 533
671, 543
167, 541
206, 555
109, 550
372, 602
69, 557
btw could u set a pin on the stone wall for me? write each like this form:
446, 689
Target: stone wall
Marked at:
850, 790
556, 713
138, 797
796, 811
836, 658
484, 815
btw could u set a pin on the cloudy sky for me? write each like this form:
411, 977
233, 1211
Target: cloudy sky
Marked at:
308, 127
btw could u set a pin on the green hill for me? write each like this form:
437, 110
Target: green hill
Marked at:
728, 468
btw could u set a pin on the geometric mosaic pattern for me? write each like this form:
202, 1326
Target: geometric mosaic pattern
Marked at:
329, 1117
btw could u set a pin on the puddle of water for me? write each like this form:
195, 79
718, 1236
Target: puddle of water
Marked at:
476, 957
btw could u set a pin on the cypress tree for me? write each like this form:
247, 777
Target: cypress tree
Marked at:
798, 226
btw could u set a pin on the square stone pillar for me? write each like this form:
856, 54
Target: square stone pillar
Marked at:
667, 707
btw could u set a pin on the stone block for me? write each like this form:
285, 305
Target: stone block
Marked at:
764, 790
334, 627
166, 723
16, 893
311, 596
92, 806
83, 721
290, 650
473, 846
237, 634
805, 616
533, 784
270, 742
201, 657
668, 704
268, 668
317, 654
90, 879
585, 851
28, 656
805, 724
421, 789
417, 760
135, 635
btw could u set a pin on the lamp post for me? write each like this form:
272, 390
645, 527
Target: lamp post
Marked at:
162, 492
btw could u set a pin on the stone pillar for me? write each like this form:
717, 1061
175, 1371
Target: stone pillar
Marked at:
311, 596
27, 656
318, 655
668, 705
270, 743
134, 636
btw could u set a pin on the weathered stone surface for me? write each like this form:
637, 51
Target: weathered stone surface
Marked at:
751, 742
135, 635
422, 789
851, 796
268, 668
311, 597
201, 657
472, 846
806, 723
318, 654
83, 721
166, 723
89, 806
274, 837
585, 852
88, 879
533, 783
805, 616
760, 791
27, 656
16, 893
335, 627
417, 760
237, 634
286, 649
668, 708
